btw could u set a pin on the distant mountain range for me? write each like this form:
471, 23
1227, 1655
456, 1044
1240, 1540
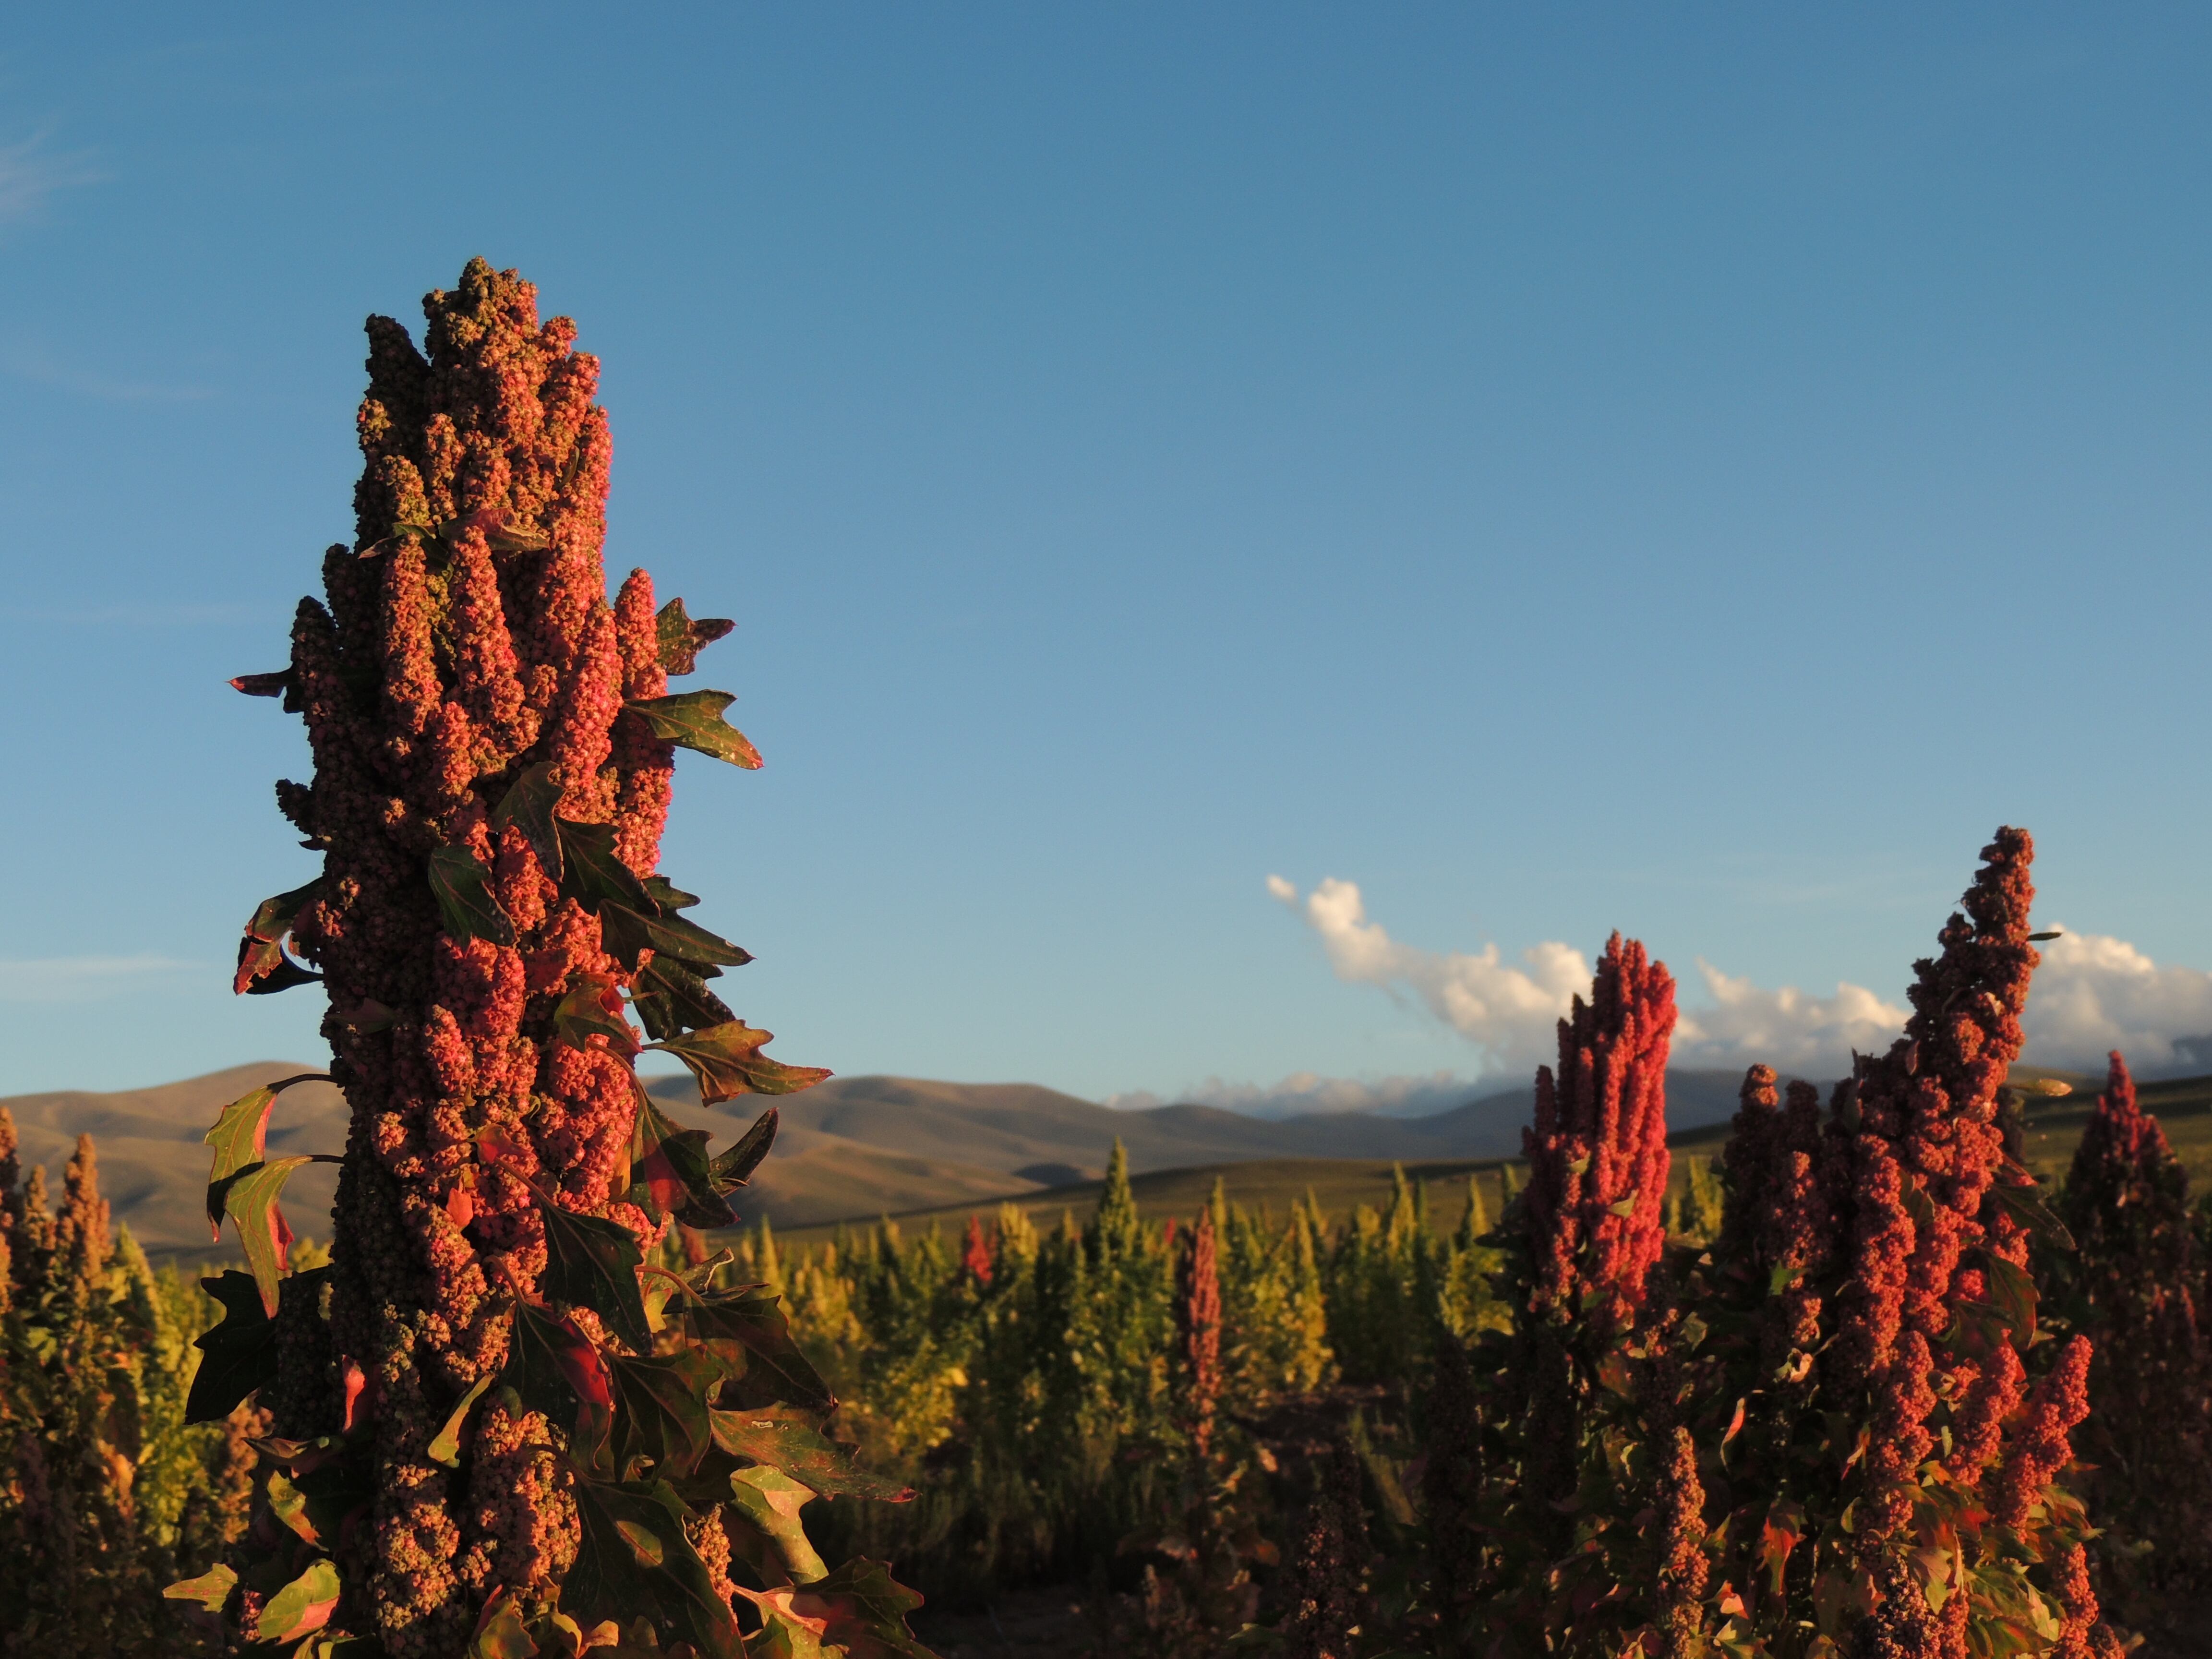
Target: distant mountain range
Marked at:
855, 1148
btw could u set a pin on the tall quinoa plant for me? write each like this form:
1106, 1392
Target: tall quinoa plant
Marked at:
1826, 1435
495, 1431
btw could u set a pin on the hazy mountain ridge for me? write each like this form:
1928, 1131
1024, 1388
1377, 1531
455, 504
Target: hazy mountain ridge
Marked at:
855, 1147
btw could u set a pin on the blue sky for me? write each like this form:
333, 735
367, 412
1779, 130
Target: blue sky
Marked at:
1695, 470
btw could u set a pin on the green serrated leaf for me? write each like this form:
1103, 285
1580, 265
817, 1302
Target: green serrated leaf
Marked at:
787, 1439
446, 1447
625, 931
672, 998
661, 1409
2026, 1206
670, 1167
289, 1505
735, 1167
632, 1552
593, 874
553, 1367
592, 1007
529, 805
693, 719
681, 638
769, 1501
501, 1633
667, 895
210, 1591
240, 1137
2013, 1293
727, 1061
237, 1356
466, 903
262, 964
749, 1337
591, 1263
302, 1606
865, 1609
250, 1202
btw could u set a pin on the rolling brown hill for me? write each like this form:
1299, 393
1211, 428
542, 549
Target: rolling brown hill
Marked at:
859, 1148
153, 1166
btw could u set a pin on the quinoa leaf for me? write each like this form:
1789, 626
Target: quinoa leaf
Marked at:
693, 719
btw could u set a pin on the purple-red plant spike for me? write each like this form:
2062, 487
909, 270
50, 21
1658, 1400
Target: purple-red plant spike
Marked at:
1598, 1146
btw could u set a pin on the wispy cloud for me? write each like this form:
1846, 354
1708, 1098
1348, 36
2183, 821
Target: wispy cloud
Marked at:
48, 980
38, 365
30, 173
2093, 993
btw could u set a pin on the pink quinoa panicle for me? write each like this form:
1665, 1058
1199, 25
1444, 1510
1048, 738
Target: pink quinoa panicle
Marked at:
466, 645
1597, 1149
1198, 1330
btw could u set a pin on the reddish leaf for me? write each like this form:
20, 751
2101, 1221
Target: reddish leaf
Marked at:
552, 1365
240, 1137
262, 964
693, 719
264, 685
681, 638
727, 1061
465, 901
354, 1383
1785, 1529
865, 1610
671, 1165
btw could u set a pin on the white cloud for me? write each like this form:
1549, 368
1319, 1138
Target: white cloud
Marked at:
1508, 1013
1789, 1030
84, 979
2093, 993
1303, 1094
